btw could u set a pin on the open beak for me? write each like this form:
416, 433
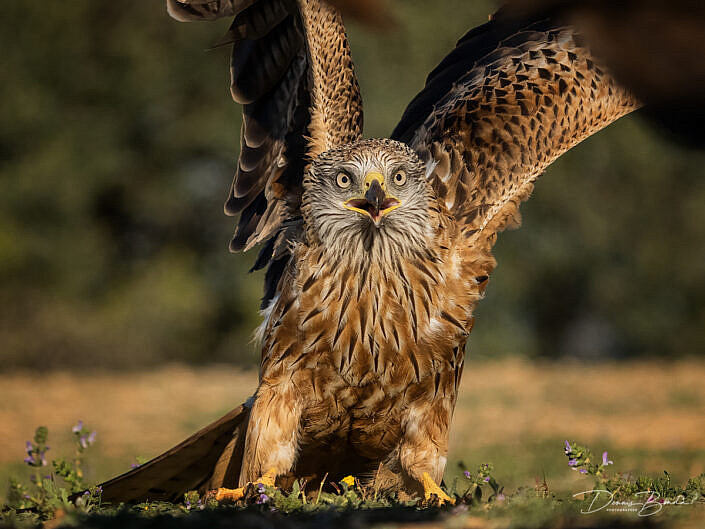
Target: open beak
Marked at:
375, 203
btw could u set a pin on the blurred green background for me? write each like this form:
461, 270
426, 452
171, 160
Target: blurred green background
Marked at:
118, 140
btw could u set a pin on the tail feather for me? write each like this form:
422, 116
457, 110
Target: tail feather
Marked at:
209, 459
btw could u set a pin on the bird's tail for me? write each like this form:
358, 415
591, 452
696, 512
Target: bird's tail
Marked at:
209, 459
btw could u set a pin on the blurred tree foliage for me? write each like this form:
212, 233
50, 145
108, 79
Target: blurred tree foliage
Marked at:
117, 147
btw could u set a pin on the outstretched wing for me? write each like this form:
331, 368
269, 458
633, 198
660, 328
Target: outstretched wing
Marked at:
648, 46
512, 96
291, 70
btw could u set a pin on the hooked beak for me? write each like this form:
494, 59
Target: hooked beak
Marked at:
375, 203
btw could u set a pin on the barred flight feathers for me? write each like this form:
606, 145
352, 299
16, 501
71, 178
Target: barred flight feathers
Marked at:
652, 47
291, 70
208, 459
513, 96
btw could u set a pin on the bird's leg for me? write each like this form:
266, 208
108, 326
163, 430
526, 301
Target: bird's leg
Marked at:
424, 446
271, 442
431, 489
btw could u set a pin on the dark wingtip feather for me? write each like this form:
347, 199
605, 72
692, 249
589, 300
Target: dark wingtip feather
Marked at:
258, 65
475, 45
265, 254
249, 218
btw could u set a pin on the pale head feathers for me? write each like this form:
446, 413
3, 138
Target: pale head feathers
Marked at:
404, 231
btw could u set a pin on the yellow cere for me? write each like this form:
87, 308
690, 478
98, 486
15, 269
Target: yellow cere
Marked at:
373, 175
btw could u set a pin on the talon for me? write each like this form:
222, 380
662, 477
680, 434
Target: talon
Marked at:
223, 494
431, 489
268, 478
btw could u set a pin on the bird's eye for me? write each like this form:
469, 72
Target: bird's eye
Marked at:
400, 178
343, 180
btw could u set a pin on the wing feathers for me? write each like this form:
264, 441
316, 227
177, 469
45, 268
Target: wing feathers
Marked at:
291, 69
257, 65
191, 10
255, 23
512, 97
470, 52
208, 459
336, 105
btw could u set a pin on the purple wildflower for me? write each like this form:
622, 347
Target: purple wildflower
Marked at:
30, 454
135, 465
260, 488
651, 498
467, 474
87, 440
572, 462
606, 461
583, 471
568, 449
99, 490
262, 498
487, 479
35, 456
78, 427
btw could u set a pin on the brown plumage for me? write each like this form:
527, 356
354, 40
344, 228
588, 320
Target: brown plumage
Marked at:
377, 250
652, 47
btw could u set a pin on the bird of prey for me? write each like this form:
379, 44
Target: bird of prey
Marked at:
376, 250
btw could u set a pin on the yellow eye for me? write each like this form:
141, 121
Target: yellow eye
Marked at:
343, 180
400, 178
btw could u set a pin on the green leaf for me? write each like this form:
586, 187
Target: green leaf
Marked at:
41, 435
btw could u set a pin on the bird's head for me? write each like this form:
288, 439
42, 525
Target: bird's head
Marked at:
367, 191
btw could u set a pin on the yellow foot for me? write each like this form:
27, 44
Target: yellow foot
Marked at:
431, 489
267, 479
223, 494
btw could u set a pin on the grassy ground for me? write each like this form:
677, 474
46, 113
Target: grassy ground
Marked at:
515, 414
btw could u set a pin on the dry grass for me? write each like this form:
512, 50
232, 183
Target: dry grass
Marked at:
650, 415
652, 405
514, 413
